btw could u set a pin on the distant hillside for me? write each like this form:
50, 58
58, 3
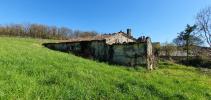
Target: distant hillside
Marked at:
31, 71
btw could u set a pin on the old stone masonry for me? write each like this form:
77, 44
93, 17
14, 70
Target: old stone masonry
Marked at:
117, 48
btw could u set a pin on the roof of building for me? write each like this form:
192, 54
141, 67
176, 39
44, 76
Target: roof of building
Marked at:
98, 37
124, 34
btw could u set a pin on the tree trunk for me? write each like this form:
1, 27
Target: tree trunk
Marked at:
187, 47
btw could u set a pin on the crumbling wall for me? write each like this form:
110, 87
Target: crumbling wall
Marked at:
150, 55
99, 50
129, 54
132, 54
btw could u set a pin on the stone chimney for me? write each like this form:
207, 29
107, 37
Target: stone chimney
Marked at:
129, 32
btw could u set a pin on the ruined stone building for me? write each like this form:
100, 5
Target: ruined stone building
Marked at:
114, 38
117, 48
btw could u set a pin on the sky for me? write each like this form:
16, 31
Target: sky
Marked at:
159, 19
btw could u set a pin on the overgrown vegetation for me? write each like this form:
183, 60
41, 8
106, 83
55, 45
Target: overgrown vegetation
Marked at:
187, 49
31, 71
187, 40
42, 31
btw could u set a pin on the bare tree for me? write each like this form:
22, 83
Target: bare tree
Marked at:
87, 34
42, 31
203, 21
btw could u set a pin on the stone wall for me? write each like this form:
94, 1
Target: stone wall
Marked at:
128, 54
131, 54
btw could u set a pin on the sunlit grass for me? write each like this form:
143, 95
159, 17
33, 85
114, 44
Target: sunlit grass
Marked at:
31, 71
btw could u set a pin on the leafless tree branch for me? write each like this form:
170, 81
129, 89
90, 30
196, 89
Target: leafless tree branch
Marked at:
203, 21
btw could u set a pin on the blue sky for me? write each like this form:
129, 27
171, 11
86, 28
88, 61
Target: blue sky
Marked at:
159, 19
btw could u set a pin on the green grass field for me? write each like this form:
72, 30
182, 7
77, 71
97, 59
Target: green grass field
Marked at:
30, 71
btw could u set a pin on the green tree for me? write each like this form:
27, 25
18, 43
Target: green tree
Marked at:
187, 39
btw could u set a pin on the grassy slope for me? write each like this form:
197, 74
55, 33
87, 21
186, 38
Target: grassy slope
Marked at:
30, 71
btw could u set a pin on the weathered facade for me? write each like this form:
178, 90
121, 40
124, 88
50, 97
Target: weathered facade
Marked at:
129, 54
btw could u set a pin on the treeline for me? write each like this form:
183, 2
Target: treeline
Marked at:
42, 31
